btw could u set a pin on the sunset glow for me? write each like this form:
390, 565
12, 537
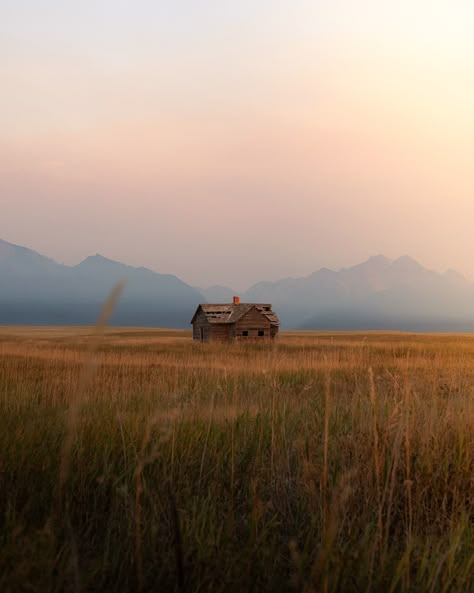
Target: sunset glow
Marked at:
347, 126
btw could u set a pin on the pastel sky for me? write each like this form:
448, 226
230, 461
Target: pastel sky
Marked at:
229, 142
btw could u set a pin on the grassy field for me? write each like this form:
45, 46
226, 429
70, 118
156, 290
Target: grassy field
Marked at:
140, 461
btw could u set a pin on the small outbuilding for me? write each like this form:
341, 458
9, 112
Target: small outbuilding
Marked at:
234, 321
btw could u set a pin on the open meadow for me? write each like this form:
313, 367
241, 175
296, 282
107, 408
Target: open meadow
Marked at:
141, 461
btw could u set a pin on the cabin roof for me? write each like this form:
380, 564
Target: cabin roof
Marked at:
230, 313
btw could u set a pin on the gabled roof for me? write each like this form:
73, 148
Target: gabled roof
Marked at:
231, 313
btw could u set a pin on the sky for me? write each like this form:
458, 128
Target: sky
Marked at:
230, 142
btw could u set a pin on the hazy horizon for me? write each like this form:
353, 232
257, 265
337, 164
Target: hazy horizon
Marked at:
234, 142
245, 287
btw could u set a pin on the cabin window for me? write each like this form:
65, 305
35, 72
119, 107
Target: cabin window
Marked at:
261, 332
245, 333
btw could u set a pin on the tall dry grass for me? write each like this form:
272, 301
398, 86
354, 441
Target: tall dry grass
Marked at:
319, 463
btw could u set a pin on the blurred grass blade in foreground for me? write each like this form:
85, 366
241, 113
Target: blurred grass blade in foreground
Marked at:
88, 372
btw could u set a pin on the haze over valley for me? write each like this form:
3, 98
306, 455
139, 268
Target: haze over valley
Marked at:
378, 294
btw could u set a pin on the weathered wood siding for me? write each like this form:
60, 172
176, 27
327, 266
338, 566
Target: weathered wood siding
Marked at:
219, 331
252, 322
201, 322
274, 331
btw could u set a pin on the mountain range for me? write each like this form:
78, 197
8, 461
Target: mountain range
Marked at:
380, 293
35, 290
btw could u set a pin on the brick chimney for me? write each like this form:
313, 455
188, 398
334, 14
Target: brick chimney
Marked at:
236, 300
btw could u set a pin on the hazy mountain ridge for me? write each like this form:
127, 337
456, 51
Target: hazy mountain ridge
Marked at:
36, 290
379, 293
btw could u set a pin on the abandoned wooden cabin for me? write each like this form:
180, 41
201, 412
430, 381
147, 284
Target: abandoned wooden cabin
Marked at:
234, 321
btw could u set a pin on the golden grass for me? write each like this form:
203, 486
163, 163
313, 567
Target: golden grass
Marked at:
324, 461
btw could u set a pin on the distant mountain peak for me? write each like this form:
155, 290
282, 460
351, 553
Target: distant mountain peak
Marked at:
372, 266
408, 263
407, 259
325, 270
97, 260
380, 258
376, 260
